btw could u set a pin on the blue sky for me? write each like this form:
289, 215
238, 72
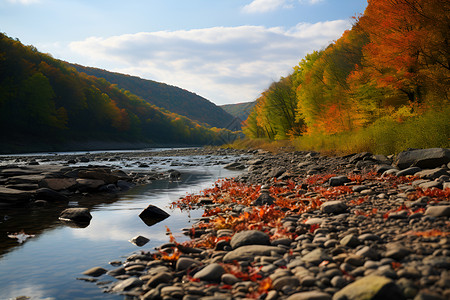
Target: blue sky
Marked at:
227, 51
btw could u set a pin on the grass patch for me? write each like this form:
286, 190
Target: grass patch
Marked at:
385, 136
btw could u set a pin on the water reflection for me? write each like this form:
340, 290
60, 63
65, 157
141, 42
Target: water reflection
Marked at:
46, 266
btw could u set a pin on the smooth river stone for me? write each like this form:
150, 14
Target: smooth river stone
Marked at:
248, 253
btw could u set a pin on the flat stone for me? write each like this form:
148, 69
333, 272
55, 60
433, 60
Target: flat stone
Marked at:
316, 256
248, 253
12, 195
126, 284
212, 272
396, 251
431, 184
99, 174
368, 252
432, 173
370, 287
333, 207
311, 295
90, 183
438, 211
25, 179
279, 283
58, 184
409, 171
95, 272
249, 237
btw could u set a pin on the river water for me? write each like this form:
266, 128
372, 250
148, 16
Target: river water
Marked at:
47, 265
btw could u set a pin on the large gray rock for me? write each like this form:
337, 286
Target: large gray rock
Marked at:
423, 158
248, 253
370, 287
76, 214
249, 237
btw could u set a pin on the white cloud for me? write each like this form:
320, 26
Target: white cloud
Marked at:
263, 6
312, 2
24, 2
222, 64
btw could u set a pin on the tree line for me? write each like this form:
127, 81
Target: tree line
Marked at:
393, 64
42, 98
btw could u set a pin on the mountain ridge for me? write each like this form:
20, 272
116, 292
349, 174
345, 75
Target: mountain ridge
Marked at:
169, 97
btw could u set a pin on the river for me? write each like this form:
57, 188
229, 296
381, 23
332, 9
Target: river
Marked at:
47, 265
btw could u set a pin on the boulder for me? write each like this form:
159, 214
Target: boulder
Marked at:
152, 215
76, 214
249, 237
370, 287
423, 158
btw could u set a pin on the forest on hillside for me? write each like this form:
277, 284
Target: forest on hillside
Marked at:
44, 101
382, 86
171, 98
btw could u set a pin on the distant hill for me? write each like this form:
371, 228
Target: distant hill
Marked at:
169, 97
239, 110
46, 105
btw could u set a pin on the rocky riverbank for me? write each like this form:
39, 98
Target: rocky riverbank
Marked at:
304, 226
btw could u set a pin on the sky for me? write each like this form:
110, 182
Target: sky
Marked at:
227, 51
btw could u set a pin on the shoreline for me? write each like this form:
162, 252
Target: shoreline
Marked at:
303, 226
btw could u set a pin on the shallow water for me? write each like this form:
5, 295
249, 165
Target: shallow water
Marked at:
47, 265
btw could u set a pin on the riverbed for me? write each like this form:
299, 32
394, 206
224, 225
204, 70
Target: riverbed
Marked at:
47, 265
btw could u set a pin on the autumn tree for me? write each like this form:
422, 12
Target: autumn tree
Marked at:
409, 46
